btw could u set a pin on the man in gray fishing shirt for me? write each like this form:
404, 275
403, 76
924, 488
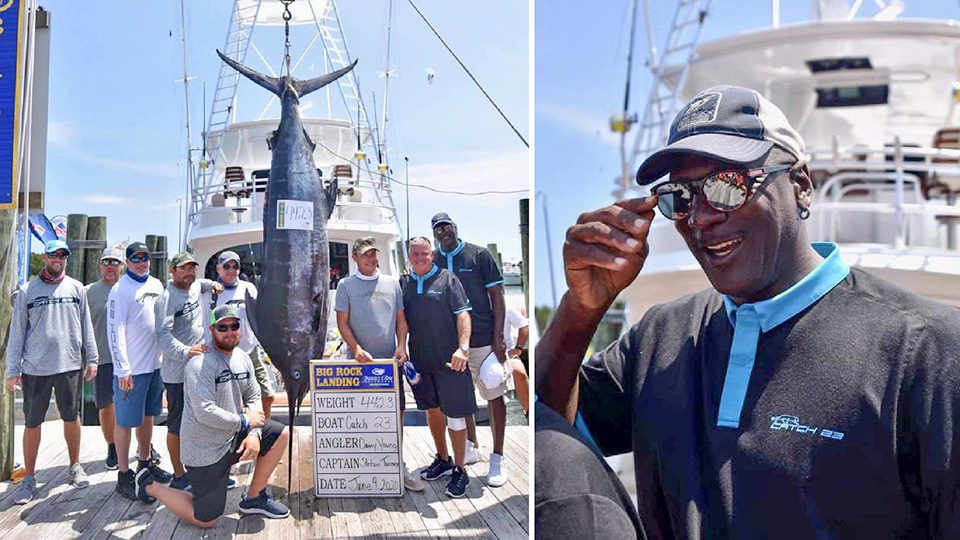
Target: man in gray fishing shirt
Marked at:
51, 339
180, 335
223, 423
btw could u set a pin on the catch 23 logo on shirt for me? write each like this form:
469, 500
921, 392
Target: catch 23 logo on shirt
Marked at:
786, 422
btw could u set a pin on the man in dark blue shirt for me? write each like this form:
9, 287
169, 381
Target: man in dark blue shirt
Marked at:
797, 398
438, 317
475, 267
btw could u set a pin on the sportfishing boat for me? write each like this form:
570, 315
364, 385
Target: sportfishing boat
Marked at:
227, 192
874, 97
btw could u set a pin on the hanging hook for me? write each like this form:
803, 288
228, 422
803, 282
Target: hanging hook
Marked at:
286, 30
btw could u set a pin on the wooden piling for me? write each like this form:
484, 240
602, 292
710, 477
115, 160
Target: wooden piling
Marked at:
8, 264
401, 257
496, 255
96, 231
76, 232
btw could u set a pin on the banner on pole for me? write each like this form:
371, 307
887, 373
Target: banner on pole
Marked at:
12, 34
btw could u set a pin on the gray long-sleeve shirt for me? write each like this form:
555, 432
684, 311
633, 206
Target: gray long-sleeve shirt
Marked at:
216, 389
50, 331
180, 326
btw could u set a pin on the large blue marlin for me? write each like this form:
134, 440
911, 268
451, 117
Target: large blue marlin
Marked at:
289, 317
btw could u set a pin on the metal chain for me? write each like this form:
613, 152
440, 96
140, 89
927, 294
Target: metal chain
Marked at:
286, 30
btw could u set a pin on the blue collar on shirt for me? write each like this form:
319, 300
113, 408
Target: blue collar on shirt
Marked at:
225, 286
421, 279
456, 251
764, 316
774, 311
138, 279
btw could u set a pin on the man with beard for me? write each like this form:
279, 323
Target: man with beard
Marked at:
137, 386
372, 321
476, 269
222, 425
180, 334
51, 339
437, 311
235, 289
111, 263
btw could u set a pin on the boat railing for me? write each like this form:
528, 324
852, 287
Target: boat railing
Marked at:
899, 196
240, 202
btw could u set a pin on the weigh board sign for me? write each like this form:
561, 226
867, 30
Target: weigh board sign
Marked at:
356, 429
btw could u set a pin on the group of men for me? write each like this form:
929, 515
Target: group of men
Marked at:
451, 307
136, 338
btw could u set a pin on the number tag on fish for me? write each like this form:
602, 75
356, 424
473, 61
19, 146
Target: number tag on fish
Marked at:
296, 215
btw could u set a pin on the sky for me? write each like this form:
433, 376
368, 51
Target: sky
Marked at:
117, 141
580, 71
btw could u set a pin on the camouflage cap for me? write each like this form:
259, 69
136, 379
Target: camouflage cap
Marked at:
226, 311
365, 244
181, 259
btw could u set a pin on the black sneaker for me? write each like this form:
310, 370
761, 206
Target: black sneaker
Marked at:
125, 485
111, 461
159, 475
142, 480
265, 505
438, 468
180, 482
459, 481
154, 456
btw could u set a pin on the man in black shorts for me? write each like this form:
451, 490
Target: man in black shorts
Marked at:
437, 312
111, 264
223, 423
51, 338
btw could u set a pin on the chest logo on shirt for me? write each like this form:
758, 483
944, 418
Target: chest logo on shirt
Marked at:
435, 293
234, 303
786, 422
464, 269
187, 309
227, 376
41, 301
147, 296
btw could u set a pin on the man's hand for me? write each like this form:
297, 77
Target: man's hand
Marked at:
499, 348
249, 448
361, 355
197, 350
605, 251
514, 352
125, 383
458, 362
400, 354
91, 372
255, 418
216, 287
14, 382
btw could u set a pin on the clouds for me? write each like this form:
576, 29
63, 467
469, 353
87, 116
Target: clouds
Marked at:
67, 140
583, 123
505, 171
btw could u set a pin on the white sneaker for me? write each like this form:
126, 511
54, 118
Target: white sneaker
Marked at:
472, 454
77, 477
496, 476
412, 483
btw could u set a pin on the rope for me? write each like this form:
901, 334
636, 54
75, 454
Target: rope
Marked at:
474, 79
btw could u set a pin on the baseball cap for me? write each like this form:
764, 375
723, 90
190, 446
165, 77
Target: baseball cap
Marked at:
440, 219
365, 244
136, 247
182, 258
56, 245
226, 311
492, 372
227, 256
727, 123
112, 253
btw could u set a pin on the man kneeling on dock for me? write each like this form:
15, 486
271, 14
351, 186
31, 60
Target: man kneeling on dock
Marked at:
222, 423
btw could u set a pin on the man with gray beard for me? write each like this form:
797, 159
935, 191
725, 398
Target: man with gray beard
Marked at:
180, 335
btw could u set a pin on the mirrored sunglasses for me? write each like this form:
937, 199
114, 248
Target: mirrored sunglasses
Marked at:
723, 190
139, 259
110, 262
58, 255
231, 266
228, 327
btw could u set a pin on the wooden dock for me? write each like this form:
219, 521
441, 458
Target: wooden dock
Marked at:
60, 511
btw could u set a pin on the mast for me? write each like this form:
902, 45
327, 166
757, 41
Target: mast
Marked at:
386, 91
186, 104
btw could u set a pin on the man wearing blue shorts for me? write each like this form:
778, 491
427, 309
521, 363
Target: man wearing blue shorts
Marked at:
137, 387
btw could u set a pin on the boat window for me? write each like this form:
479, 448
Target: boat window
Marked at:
251, 262
852, 96
837, 64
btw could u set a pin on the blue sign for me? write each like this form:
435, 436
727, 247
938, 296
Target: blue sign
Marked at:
11, 40
353, 376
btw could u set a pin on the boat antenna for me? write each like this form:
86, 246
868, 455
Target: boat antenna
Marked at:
186, 104
286, 32
376, 133
386, 88
474, 79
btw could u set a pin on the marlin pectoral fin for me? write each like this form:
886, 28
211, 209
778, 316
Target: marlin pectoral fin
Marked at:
331, 193
305, 87
270, 83
251, 303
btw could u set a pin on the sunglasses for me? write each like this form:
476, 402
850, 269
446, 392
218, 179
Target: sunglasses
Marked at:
443, 227
110, 262
58, 255
232, 327
231, 266
136, 260
723, 190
